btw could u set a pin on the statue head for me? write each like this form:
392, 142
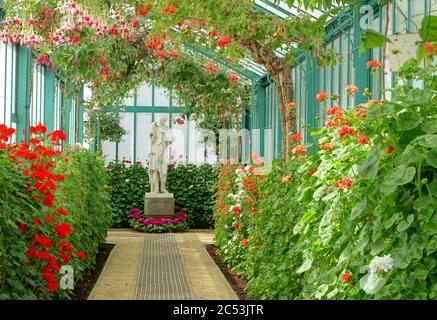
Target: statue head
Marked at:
163, 119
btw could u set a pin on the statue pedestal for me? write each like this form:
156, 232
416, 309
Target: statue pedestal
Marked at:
159, 205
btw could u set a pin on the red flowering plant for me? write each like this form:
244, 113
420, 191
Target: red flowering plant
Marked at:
41, 225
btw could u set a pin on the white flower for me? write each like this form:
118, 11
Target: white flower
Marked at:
239, 171
234, 238
226, 226
236, 197
240, 185
226, 251
242, 192
127, 180
230, 195
247, 168
384, 264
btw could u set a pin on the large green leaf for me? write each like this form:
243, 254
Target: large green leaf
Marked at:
369, 168
405, 224
428, 141
428, 30
358, 209
371, 39
397, 177
431, 158
430, 126
377, 111
408, 121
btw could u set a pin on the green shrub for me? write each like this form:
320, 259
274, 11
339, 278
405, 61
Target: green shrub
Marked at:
129, 185
193, 187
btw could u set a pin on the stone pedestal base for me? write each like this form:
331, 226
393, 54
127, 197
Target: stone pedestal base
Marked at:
159, 205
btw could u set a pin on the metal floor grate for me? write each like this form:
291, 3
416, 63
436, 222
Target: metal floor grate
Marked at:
162, 273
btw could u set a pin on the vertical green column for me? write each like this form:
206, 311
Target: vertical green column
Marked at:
81, 98
49, 96
362, 75
22, 87
311, 91
261, 105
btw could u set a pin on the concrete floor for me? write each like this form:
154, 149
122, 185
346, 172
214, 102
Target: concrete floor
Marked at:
118, 280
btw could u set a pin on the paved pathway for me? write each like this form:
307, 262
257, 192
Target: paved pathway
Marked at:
161, 266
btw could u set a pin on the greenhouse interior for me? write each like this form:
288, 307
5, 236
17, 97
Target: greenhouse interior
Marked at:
218, 150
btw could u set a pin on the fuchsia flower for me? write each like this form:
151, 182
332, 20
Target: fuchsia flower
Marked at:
135, 214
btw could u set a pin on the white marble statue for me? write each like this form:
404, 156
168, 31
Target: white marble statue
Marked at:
160, 138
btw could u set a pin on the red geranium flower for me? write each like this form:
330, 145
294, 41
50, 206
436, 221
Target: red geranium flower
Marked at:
65, 246
233, 78
327, 147
42, 241
61, 211
373, 64
345, 277
296, 137
31, 252
335, 111
49, 218
52, 287
224, 41
362, 139
244, 242
236, 209
39, 128
346, 183
57, 136
346, 131
168, 10
64, 257
21, 227
298, 150
63, 230
236, 226
321, 96
390, 149
429, 48
81, 255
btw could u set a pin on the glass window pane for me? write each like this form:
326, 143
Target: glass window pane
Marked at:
144, 96
161, 97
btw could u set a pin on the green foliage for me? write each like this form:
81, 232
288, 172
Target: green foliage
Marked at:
109, 125
193, 188
129, 185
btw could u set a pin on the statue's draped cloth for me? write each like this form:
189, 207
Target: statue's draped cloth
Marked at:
160, 138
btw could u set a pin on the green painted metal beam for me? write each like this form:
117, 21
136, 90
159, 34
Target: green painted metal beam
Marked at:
22, 87
362, 75
49, 100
